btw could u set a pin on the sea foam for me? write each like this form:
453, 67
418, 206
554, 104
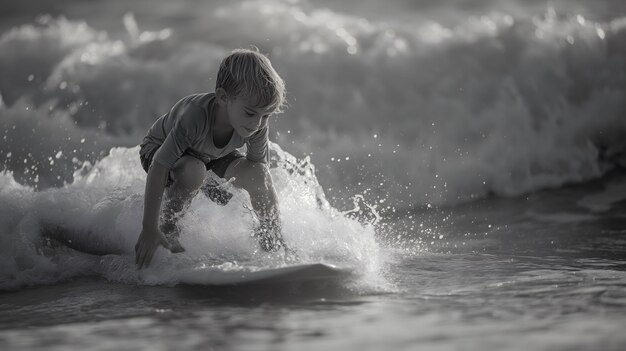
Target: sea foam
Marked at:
404, 112
48, 235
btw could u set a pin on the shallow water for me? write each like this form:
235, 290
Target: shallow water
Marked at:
513, 274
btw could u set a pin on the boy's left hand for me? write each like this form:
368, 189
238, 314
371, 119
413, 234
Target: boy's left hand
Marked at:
148, 242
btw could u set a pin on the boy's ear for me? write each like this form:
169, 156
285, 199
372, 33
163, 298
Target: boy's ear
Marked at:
221, 96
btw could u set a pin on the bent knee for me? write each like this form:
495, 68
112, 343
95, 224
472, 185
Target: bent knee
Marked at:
249, 175
188, 172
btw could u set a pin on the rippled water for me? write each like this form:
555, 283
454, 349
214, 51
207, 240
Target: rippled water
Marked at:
515, 274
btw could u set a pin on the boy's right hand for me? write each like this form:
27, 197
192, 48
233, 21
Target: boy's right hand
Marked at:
148, 242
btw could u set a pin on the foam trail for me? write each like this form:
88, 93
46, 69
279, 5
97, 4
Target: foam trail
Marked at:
49, 236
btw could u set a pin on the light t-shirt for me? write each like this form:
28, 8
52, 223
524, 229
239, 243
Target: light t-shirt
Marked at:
188, 129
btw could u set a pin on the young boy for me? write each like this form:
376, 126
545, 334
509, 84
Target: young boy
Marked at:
203, 132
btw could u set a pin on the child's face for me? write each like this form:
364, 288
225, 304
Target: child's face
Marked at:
244, 117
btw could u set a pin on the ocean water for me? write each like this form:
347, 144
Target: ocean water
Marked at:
465, 158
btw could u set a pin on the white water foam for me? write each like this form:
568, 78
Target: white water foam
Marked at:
404, 112
102, 210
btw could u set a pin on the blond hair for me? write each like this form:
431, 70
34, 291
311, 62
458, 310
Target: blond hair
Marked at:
248, 73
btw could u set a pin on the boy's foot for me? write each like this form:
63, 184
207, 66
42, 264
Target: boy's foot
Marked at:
269, 243
269, 236
171, 233
217, 194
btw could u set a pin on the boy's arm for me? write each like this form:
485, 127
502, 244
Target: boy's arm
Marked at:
151, 237
270, 226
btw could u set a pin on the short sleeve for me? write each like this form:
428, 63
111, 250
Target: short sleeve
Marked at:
258, 146
184, 133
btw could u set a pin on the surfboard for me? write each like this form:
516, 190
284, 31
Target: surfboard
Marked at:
288, 274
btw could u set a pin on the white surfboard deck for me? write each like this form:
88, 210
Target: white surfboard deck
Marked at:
288, 274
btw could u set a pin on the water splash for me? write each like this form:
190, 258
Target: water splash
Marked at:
100, 213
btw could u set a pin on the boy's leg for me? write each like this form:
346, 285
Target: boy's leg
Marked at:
255, 178
211, 189
187, 176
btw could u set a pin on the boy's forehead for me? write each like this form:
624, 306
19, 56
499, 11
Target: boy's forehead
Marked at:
253, 103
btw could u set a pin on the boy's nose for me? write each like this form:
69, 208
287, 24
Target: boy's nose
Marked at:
257, 122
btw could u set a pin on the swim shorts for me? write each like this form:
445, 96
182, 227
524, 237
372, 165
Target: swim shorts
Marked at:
218, 166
